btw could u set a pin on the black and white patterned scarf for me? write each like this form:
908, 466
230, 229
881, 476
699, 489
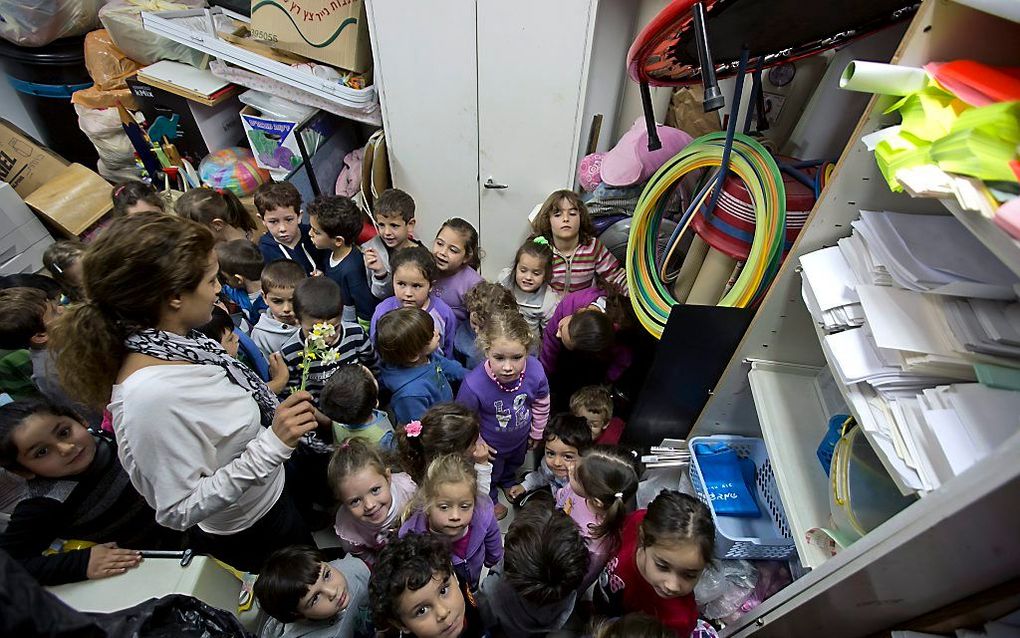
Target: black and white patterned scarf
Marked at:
197, 348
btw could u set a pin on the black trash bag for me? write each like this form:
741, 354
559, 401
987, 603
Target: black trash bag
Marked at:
27, 610
171, 616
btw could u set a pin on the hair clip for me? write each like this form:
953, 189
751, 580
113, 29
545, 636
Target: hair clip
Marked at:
119, 190
57, 269
413, 429
618, 495
541, 241
346, 444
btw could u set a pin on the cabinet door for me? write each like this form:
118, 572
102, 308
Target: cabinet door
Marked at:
532, 67
425, 72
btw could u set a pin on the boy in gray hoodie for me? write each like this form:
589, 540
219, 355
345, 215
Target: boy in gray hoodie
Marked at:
279, 323
532, 591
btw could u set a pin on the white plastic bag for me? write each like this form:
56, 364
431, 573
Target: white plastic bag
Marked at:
123, 19
116, 154
36, 23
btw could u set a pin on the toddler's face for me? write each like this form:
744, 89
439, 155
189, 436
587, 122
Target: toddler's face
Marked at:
53, 446
281, 304
282, 224
672, 569
596, 422
565, 221
319, 238
451, 510
366, 495
450, 250
530, 273
410, 286
308, 324
327, 596
393, 230
434, 611
230, 342
563, 332
560, 457
506, 359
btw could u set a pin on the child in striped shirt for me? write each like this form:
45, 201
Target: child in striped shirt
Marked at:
577, 254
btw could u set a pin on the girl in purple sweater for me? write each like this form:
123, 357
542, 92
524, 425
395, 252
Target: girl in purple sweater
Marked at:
510, 393
458, 260
451, 507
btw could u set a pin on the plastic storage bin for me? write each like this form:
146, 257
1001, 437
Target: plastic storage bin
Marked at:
763, 538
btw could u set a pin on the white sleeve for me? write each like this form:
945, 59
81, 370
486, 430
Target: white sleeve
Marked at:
170, 450
484, 474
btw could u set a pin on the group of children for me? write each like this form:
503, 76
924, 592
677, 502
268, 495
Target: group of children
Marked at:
474, 374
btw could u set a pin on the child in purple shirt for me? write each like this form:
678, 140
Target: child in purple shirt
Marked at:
457, 257
510, 393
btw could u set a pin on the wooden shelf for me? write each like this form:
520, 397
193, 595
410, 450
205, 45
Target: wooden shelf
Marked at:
793, 413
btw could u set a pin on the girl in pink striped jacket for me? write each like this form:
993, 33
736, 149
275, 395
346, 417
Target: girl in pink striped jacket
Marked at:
577, 254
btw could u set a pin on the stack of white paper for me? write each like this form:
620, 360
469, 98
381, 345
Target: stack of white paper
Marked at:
828, 290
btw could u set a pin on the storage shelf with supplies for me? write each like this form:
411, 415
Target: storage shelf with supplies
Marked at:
183, 26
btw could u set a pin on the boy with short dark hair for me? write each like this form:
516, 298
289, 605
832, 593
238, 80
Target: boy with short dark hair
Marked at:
350, 399
394, 218
317, 300
24, 323
336, 224
241, 267
564, 439
278, 323
308, 597
533, 590
595, 404
279, 206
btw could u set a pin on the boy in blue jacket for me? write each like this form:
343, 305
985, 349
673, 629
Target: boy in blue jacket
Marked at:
279, 206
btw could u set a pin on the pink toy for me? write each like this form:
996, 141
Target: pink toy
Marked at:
630, 162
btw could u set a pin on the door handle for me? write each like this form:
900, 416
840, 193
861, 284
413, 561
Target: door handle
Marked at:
489, 183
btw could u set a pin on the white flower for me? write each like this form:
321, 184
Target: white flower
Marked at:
330, 356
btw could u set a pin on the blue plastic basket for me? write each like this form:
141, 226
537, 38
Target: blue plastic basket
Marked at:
763, 538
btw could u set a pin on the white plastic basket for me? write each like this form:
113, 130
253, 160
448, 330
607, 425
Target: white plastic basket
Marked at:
763, 538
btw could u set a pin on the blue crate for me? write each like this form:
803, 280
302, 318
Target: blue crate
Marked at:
763, 538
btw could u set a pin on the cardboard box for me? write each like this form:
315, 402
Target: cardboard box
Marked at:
73, 200
23, 238
198, 129
24, 163
331, 31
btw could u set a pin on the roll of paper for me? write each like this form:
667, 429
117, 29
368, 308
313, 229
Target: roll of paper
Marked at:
887, 79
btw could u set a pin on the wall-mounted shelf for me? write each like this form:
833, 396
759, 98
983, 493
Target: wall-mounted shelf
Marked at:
195, 28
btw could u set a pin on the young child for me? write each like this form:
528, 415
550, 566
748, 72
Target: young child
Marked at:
305, 596
279, 206
278, 323
481, 302
510, 393
458, 260
336, 223
372, 499
132, 197
446, 428
241, 270
317, 300
533, 591
415, 591
394, 218
633, 626
579, 345
578, 255
449, 506
63, 260
414, 273
221, 211
565, 439
528, 279
603, 484
24, 324
663, 551
77, 489
414, 370
350, 399
221, 330
594, 404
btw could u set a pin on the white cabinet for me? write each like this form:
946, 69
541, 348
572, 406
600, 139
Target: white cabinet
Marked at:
958, 542
474, 90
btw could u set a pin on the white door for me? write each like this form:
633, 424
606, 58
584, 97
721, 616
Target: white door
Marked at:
425, 71
532, 68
